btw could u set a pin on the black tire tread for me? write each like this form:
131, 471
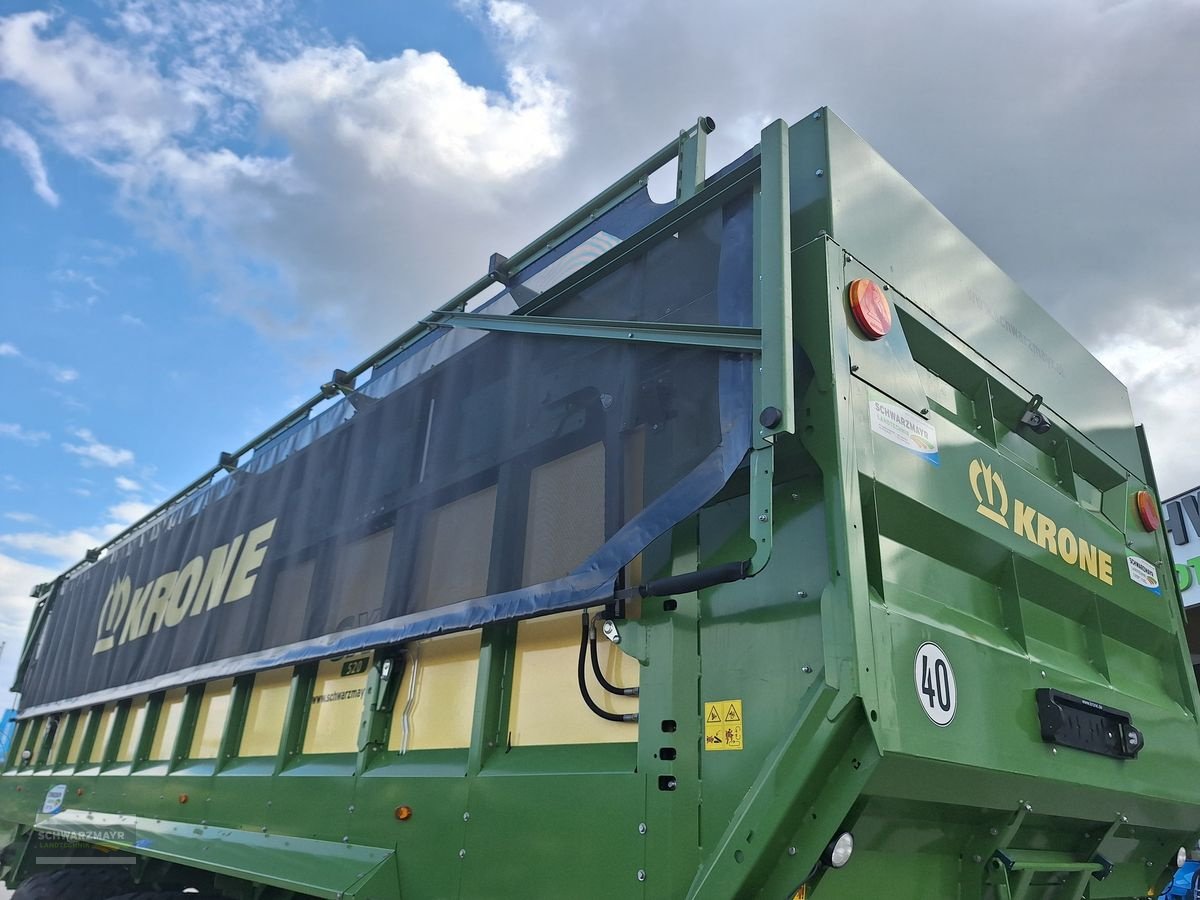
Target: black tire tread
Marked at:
73, 883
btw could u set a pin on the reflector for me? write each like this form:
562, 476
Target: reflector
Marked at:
871, 309
1147, 510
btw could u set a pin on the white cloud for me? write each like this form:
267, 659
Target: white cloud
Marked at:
23, 517
17, 579
127, 484
20, 433
412, 118
64, 547
59, 373
105, 103
73, 276
515, 21
128, 512
388, 180
20, 143
129, 319
67, 547
94, 452
1156, 359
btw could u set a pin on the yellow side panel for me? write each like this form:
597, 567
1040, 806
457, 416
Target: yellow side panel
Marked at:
210, 724
170, 717
546, 706
64, 722
566, 514
134, 722
104, 732
336, 705
443, 705
445, 573
81, 728
39, 739
266, 712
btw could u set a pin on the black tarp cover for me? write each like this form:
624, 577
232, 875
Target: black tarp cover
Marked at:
477, 477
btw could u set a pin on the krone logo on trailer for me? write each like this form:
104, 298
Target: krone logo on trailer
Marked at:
1037, 528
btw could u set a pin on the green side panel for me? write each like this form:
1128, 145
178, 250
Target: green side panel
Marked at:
318, 868
881, 219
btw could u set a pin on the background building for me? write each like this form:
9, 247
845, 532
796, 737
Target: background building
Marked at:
1182, 521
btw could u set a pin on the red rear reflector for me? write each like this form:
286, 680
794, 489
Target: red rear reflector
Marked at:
1147, 510
871, 309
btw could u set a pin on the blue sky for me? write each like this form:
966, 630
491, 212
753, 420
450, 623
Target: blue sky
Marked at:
206, 207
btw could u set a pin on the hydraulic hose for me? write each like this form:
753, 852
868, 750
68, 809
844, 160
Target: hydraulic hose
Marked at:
583, 690
604, 682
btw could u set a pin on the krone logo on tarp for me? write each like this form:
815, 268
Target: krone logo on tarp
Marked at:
227, 575
1035, 527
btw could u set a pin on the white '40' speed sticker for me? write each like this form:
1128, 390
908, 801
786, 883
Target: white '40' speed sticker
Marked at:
936, 688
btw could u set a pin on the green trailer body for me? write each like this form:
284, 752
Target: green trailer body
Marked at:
923, 589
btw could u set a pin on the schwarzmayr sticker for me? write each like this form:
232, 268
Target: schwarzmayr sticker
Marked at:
907, 429
1143, 573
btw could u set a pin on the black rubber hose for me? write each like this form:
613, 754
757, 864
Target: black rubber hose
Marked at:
695, 581
583, 691
604, 682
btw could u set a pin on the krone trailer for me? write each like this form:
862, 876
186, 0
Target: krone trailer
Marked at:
769, 542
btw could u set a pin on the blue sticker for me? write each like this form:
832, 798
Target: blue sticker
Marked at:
54, 799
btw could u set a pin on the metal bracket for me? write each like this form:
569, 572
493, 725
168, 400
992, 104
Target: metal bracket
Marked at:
1012, 871
689, 178
1033, 417
720, 337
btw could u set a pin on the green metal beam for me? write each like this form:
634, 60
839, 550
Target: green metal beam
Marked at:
773, 309
723, 337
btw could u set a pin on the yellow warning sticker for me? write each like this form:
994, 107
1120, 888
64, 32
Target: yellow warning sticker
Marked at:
723, 725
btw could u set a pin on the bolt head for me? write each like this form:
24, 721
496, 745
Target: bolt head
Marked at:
462, 854
466, 817
762, 517
641, 875
641, 828
820, 173
791, 851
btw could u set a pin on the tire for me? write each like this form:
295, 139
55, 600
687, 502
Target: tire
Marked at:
74, 883
163, 895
